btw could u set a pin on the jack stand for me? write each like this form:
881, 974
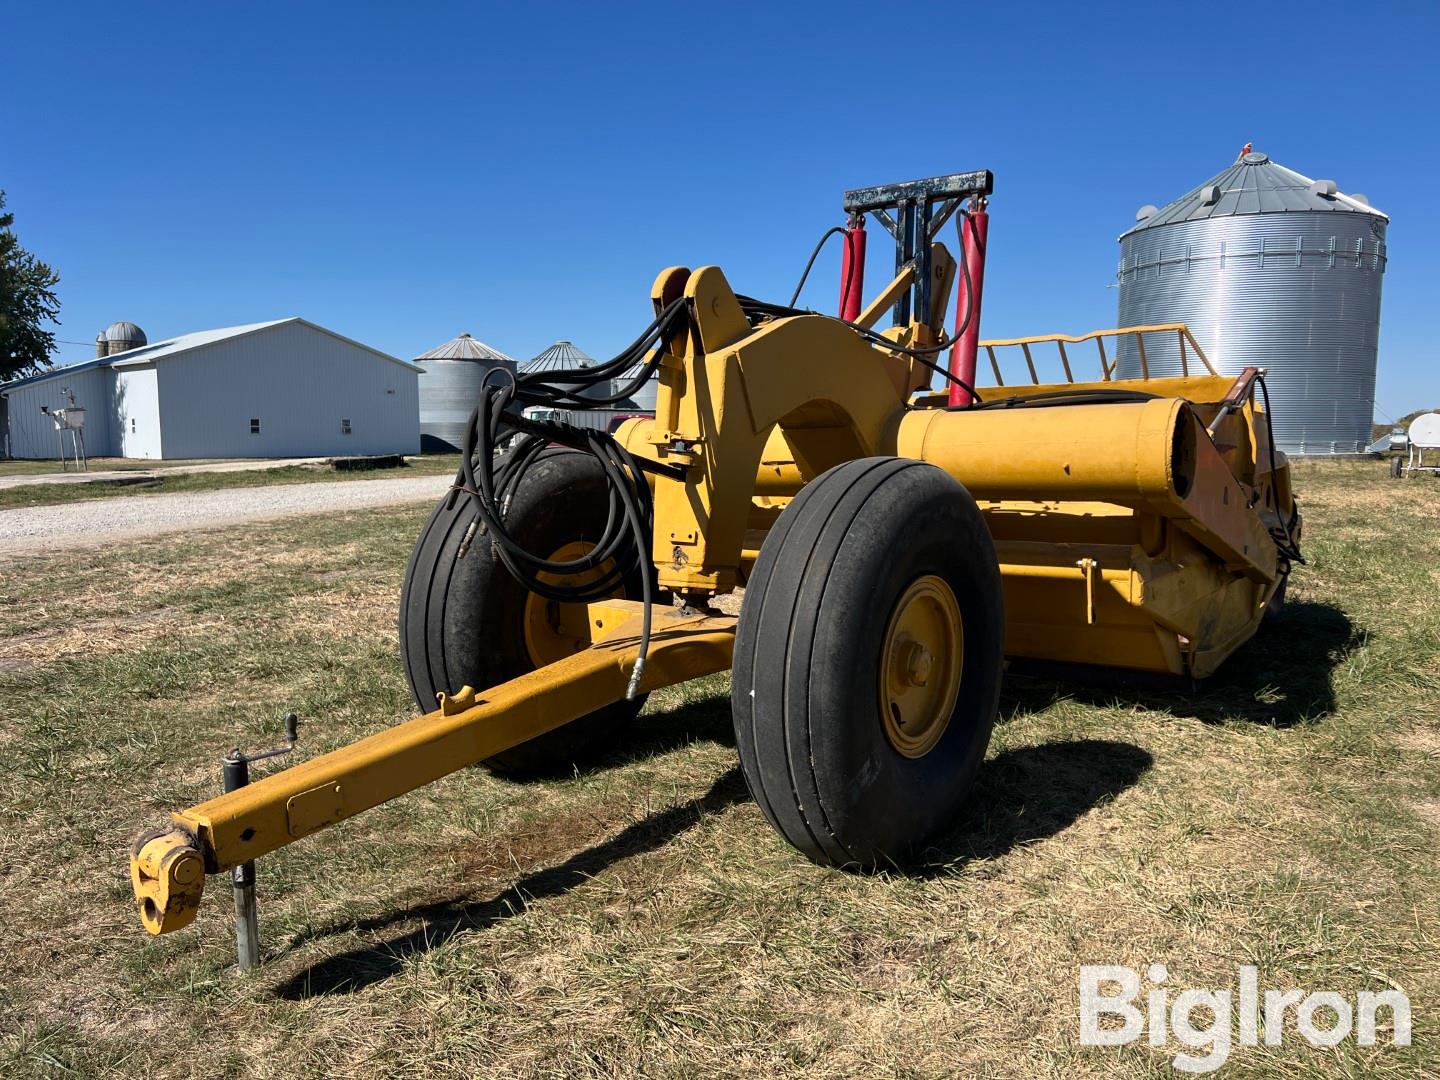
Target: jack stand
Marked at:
236, 769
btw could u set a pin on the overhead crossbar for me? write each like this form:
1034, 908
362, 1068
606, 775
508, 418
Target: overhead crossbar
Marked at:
915, 222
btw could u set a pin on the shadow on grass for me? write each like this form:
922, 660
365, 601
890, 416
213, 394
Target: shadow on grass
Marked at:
1021, 795
444, 919
1032, 793
1280, 677
647, 736
706, 720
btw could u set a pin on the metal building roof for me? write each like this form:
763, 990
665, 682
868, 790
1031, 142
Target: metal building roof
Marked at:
562, 356
1254, 185
148, 354
185, 343
51, 373
465, 347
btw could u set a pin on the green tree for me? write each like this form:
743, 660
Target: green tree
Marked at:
27, 303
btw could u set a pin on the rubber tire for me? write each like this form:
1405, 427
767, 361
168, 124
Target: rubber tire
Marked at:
462, 620
1397, 468
804, 692
1275, 606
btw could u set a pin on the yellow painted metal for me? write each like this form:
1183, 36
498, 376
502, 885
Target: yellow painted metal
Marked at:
553, 629
921, 663
254, 820
1087, 567
167, 875
1153, 597
887, 298
741, 383
1113, 452
1197, 390
1139, 333
1153, 454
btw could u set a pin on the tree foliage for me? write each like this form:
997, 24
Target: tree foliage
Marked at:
27, 303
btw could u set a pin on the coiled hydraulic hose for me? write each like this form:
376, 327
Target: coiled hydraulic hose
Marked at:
490, 479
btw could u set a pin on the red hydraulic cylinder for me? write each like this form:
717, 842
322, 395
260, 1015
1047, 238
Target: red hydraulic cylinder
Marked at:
974, 232
852, 270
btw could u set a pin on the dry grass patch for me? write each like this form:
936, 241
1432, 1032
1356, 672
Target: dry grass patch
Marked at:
118, 634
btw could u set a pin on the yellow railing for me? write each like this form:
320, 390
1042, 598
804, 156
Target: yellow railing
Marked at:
1107, 369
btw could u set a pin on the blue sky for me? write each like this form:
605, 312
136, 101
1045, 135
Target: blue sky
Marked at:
404, 172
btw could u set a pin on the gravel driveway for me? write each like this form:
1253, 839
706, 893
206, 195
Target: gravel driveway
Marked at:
35, 530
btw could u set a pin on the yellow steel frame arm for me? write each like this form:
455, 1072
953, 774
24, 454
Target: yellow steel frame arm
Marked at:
738, 383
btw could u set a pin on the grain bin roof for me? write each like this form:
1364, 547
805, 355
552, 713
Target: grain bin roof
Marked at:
1255, 185
465, 347
126, 333
562, 356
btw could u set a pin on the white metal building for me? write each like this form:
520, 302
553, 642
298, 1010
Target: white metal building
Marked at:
286, 388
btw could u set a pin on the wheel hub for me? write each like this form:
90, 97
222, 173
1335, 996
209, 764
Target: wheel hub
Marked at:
554, 630
918, 663
920, 666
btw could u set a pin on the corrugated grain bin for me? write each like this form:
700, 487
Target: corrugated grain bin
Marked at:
1272, 269
450, 387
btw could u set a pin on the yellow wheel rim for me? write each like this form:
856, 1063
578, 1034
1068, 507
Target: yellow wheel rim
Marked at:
920, 666
554, 630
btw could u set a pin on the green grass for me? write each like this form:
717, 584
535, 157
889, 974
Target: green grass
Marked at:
641, 918
50, 494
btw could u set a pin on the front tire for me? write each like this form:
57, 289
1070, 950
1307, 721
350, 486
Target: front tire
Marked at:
466, 621
868, 662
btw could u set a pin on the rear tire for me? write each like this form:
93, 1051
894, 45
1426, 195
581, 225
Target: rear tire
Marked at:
866, 550
463, 621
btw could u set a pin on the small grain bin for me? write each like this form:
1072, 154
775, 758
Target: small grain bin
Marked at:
566, 356
450, 387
